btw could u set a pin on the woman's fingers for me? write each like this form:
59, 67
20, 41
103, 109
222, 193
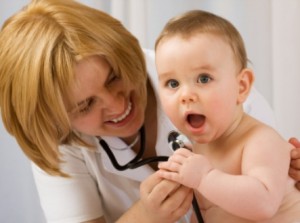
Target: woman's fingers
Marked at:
180, 200
164, 199
295, 142
156, 190
295, 159
163, 190
294, 171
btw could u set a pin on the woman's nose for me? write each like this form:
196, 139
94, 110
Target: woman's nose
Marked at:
113, 103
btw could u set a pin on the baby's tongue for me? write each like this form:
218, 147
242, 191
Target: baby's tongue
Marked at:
196, 121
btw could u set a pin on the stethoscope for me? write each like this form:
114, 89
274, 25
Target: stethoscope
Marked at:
174, 141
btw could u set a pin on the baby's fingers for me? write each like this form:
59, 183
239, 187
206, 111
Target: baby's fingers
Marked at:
170, 166
173, 176
183, 152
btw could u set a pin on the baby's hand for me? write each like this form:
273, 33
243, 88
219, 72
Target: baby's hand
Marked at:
185, 167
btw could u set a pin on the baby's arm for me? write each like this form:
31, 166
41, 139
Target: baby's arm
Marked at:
256, 194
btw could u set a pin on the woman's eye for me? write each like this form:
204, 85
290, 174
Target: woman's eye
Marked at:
172, 83
204, 78
112, 77
87, 106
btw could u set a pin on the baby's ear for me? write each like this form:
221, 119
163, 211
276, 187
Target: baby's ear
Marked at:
245, 81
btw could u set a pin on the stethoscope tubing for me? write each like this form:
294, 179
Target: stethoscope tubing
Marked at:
134, 163
137, 161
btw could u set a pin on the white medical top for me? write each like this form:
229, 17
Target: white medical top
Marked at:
96, 188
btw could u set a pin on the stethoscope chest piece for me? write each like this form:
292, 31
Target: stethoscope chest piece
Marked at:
175, 140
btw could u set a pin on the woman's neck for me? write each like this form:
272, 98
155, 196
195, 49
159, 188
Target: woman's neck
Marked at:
150, 124
150, 113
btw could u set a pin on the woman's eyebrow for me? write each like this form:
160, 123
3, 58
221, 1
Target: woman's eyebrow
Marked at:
75, 108
82, 102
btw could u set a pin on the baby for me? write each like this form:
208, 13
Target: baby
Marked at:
239, 166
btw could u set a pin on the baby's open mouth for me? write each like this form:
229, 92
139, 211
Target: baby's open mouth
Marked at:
196, 121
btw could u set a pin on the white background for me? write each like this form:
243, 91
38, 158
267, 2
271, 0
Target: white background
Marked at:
271, 32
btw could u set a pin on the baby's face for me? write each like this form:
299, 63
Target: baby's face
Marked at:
198, 84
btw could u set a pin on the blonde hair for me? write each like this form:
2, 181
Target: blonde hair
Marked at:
198, 21
39, 47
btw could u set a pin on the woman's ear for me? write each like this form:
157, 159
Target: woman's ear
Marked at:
245, 81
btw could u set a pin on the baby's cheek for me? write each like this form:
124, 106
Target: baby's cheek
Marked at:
174, 117
167, 106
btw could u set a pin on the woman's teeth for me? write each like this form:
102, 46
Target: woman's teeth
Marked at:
122, 117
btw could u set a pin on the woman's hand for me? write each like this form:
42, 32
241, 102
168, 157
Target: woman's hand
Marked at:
295, 161
163, 200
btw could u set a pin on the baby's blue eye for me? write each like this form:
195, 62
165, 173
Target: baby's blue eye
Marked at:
172, 83
204, 78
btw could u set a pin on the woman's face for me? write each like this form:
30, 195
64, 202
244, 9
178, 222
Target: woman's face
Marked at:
105, 106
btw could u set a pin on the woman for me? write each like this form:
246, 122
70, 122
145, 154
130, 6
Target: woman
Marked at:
70, 76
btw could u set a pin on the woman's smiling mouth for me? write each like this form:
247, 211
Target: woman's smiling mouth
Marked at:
124, 115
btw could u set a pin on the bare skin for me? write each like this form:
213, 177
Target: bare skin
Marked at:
295, 162
108, 100
238, 166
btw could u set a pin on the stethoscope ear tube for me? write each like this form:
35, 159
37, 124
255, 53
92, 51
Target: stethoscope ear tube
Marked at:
112, 157
131, 163
136, 162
